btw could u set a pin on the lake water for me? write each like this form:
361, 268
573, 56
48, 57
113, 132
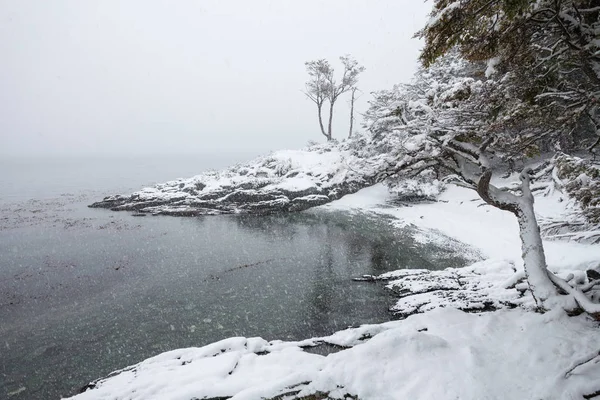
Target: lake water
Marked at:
86, 291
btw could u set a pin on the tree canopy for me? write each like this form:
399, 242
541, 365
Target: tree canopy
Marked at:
545, 52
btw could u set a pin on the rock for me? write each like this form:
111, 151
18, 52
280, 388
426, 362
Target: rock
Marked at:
592, 274
476, 288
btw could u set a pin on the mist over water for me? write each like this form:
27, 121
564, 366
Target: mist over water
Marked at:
30, 177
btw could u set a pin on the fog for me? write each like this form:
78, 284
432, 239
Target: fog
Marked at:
184, 77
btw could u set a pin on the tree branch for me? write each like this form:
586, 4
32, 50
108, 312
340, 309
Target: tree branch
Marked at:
593, 309
581, 361
493, 196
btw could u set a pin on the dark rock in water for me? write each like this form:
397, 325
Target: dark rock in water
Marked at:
89, 386
366, 278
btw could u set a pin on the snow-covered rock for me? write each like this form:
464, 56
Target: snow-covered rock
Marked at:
289, 180
484, 286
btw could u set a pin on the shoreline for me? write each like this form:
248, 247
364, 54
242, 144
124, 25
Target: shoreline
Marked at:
355, 371
455, 219
136, 287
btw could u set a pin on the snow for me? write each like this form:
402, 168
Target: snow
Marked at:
443, 354
439, 14
307, 165
440, 353
489, 284
453, 205
294, 184
492, 63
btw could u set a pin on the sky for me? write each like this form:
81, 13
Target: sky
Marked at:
187, 77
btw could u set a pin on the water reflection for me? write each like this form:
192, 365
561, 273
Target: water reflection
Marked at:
321, 291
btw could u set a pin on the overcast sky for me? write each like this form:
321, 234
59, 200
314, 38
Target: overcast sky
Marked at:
151, 77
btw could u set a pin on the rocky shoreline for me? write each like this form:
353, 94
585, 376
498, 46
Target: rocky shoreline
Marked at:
285, 181
228, 200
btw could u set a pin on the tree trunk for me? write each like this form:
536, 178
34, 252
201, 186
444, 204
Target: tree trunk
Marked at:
534, 260
320, 110
546, 288
329, 135
352, 112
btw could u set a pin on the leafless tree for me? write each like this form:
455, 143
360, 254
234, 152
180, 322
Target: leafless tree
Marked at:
323, 86
317, 87
349, 80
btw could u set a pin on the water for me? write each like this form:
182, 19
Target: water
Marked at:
86, 291
26, 178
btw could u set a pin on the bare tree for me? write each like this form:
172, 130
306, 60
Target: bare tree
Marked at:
322, 86
349, 79
317, 87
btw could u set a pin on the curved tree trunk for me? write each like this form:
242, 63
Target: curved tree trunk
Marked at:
534, 260
320, 110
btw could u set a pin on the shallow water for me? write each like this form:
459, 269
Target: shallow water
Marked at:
86, 291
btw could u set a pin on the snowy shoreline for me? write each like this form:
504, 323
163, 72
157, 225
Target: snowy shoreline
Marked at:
496, 354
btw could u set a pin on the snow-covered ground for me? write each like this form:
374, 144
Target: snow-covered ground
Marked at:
442, 353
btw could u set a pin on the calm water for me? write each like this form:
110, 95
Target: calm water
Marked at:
86, 291
27, 178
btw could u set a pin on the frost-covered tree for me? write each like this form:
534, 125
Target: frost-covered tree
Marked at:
323, 86
546, 54
549, 49
455, 119
348, 81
